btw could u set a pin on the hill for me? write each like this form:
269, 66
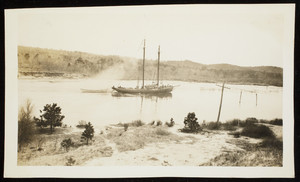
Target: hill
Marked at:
48, 62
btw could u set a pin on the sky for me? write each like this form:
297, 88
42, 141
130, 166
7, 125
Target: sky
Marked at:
245, 35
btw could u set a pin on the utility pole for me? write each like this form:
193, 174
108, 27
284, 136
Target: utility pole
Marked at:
144, 62
220, 103
158, 65
240, 97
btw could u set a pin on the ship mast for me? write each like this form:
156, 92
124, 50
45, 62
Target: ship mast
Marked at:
158, 65
144, 62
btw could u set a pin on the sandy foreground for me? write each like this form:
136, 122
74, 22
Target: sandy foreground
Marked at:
193, 150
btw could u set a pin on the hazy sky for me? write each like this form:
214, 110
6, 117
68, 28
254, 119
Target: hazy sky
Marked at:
246, 35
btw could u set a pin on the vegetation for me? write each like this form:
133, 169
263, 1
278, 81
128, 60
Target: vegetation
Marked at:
171, 123
257, 131
158, 123
67, 143
88, 133
190, 124
26, 128
51, 117
70, 161
266, 153
46, 62
273, 122
139, 137
136, 123
126, 125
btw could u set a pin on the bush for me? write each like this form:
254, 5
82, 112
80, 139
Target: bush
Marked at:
137, 123
213, 125
190, 124
272, 143
26, 128
276, 122
81, 124
152, 123
67, 143
158, 123
88, 133
257, 131
172, 123
229, 126
126, 125
70, 161
251, 121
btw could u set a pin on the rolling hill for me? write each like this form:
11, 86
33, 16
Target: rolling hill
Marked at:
40, 62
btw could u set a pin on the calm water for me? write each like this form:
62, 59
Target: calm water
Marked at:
103, 108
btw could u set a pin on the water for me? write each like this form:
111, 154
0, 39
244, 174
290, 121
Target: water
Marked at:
103, 108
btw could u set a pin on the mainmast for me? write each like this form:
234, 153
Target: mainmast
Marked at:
158, 65
144, 62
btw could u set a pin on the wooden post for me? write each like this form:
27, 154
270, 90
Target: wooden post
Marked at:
144, 49
158, 65
256, 98
220, 102
241, 97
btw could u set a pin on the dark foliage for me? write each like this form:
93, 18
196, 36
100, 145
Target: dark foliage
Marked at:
51, 117
272, 143
171, 123
26, 128
257, 131
276, 122
190, 124
67, 143
250, 121
88, 133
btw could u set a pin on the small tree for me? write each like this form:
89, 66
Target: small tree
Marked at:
88, 133
67, 143
191, 124
51, 117
26, 128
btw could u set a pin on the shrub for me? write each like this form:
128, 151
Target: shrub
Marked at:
158, 123
272, 143
26, 128
160, 131
276, 122
190, 124
126, 125
152, 123
228, 126
70, 161
81, 124
257, 131
137, 123
67, 143
234, 122
88, 133
213, 125
172, 123
251, 121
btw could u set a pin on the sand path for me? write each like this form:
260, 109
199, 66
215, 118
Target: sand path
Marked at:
192, 151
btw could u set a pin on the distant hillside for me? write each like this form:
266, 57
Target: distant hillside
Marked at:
48, 62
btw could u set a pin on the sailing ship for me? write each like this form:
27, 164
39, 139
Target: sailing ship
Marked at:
147, 89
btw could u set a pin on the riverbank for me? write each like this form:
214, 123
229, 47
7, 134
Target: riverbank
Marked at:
151, 145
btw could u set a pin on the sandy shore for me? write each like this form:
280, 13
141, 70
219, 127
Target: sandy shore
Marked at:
193, 150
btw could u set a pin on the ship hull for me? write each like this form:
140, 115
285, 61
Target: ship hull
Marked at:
158, 90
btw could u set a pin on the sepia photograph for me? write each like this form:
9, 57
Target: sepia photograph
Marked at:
168, 90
